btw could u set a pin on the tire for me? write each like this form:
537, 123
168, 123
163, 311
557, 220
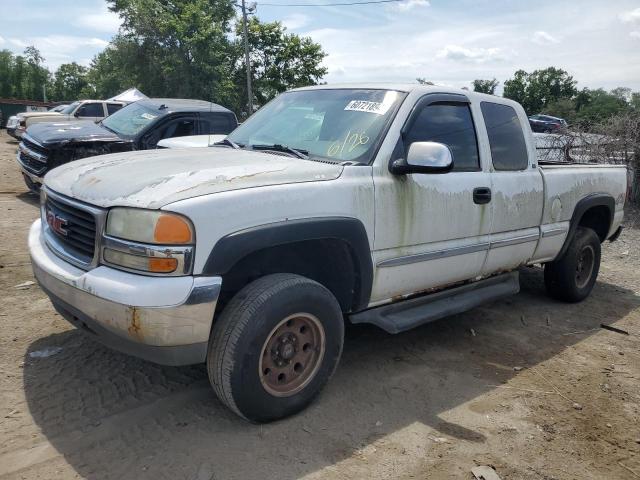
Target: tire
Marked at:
281, 324
572, 277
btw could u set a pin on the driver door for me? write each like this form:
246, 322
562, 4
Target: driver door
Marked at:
432, 230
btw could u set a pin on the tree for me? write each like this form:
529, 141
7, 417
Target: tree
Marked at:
563, 108
279, 61
69, 82
37, 76
485, 86
516, 87
180, 49
601, 105
623, 93
6, 73
540, 88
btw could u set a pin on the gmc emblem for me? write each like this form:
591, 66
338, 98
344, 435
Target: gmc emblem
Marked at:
56, 223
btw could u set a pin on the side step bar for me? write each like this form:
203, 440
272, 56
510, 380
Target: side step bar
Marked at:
404, 315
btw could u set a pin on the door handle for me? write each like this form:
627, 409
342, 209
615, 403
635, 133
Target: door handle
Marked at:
481, 195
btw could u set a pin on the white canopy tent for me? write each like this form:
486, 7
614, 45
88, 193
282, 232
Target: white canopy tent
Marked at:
131, 95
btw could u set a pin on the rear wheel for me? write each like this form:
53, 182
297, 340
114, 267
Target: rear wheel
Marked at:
572, 277
275, 346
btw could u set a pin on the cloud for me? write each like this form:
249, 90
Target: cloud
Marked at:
296, 21
632, 16
475, 55
66, 43
16, 42
635, 34
103, 21
544, 38
58, 49
407, 5
2, 41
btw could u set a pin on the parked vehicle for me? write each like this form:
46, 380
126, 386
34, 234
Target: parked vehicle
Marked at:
12, 124
191, 141
547, 124
59, 108
138, 126
394, 206
93, 110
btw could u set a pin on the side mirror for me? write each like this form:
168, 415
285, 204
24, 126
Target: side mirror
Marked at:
424, 157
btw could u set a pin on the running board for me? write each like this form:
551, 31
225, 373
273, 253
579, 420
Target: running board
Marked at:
404, 315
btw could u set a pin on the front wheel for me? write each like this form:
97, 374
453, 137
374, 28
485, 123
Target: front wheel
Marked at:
275, 346
572, 277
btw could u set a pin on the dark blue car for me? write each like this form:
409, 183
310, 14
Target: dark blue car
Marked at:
547, 124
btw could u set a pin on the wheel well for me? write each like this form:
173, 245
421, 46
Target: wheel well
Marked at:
329, 262
598, 219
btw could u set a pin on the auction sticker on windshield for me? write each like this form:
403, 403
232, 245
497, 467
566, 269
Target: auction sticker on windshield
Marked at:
379, 108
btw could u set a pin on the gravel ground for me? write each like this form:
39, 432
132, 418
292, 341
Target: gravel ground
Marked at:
533, 387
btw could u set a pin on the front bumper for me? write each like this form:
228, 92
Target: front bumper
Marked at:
15, 133
33, 182
163, 320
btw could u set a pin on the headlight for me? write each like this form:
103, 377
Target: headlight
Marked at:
149, 226
148, 241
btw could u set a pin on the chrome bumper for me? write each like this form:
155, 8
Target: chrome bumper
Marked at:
103, 303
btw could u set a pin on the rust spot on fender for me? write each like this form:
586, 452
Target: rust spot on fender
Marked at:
135, 329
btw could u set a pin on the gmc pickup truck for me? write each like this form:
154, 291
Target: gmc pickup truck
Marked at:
391, 205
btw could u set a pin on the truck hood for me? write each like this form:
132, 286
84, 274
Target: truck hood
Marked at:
152, 179
38, 114
82, 131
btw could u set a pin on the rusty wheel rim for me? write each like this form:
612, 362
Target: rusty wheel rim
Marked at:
584, 267
292, 355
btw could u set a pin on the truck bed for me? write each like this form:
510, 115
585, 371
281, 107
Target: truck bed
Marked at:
566, 184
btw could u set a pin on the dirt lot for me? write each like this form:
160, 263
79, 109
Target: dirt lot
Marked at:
531, 386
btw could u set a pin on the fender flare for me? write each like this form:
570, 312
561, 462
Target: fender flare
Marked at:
590, 201
235, 246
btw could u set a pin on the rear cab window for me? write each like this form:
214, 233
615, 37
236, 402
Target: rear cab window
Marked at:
113, 107
506, 138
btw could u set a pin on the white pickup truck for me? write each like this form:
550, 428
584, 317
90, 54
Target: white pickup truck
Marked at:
93, 110
393, 205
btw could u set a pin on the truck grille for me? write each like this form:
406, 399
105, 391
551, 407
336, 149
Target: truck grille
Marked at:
32, 156
71, 228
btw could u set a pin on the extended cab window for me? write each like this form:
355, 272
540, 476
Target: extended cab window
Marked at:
90, 110
450, 124
113, 107
508, 148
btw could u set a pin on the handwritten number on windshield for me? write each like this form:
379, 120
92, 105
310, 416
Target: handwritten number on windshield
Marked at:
350, 143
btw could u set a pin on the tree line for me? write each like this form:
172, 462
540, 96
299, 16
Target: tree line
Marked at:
552, 91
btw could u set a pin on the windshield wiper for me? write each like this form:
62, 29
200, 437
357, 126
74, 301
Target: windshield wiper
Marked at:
283, 148
104, 126
228, 143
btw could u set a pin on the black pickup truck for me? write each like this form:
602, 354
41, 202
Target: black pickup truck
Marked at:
138, 126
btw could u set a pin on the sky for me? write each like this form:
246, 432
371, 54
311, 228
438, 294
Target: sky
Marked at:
448, 42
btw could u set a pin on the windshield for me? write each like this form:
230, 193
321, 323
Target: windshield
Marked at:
70, 108
130, 120
341, 124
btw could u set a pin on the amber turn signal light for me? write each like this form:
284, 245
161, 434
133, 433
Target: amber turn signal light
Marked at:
162, 265
172, 230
